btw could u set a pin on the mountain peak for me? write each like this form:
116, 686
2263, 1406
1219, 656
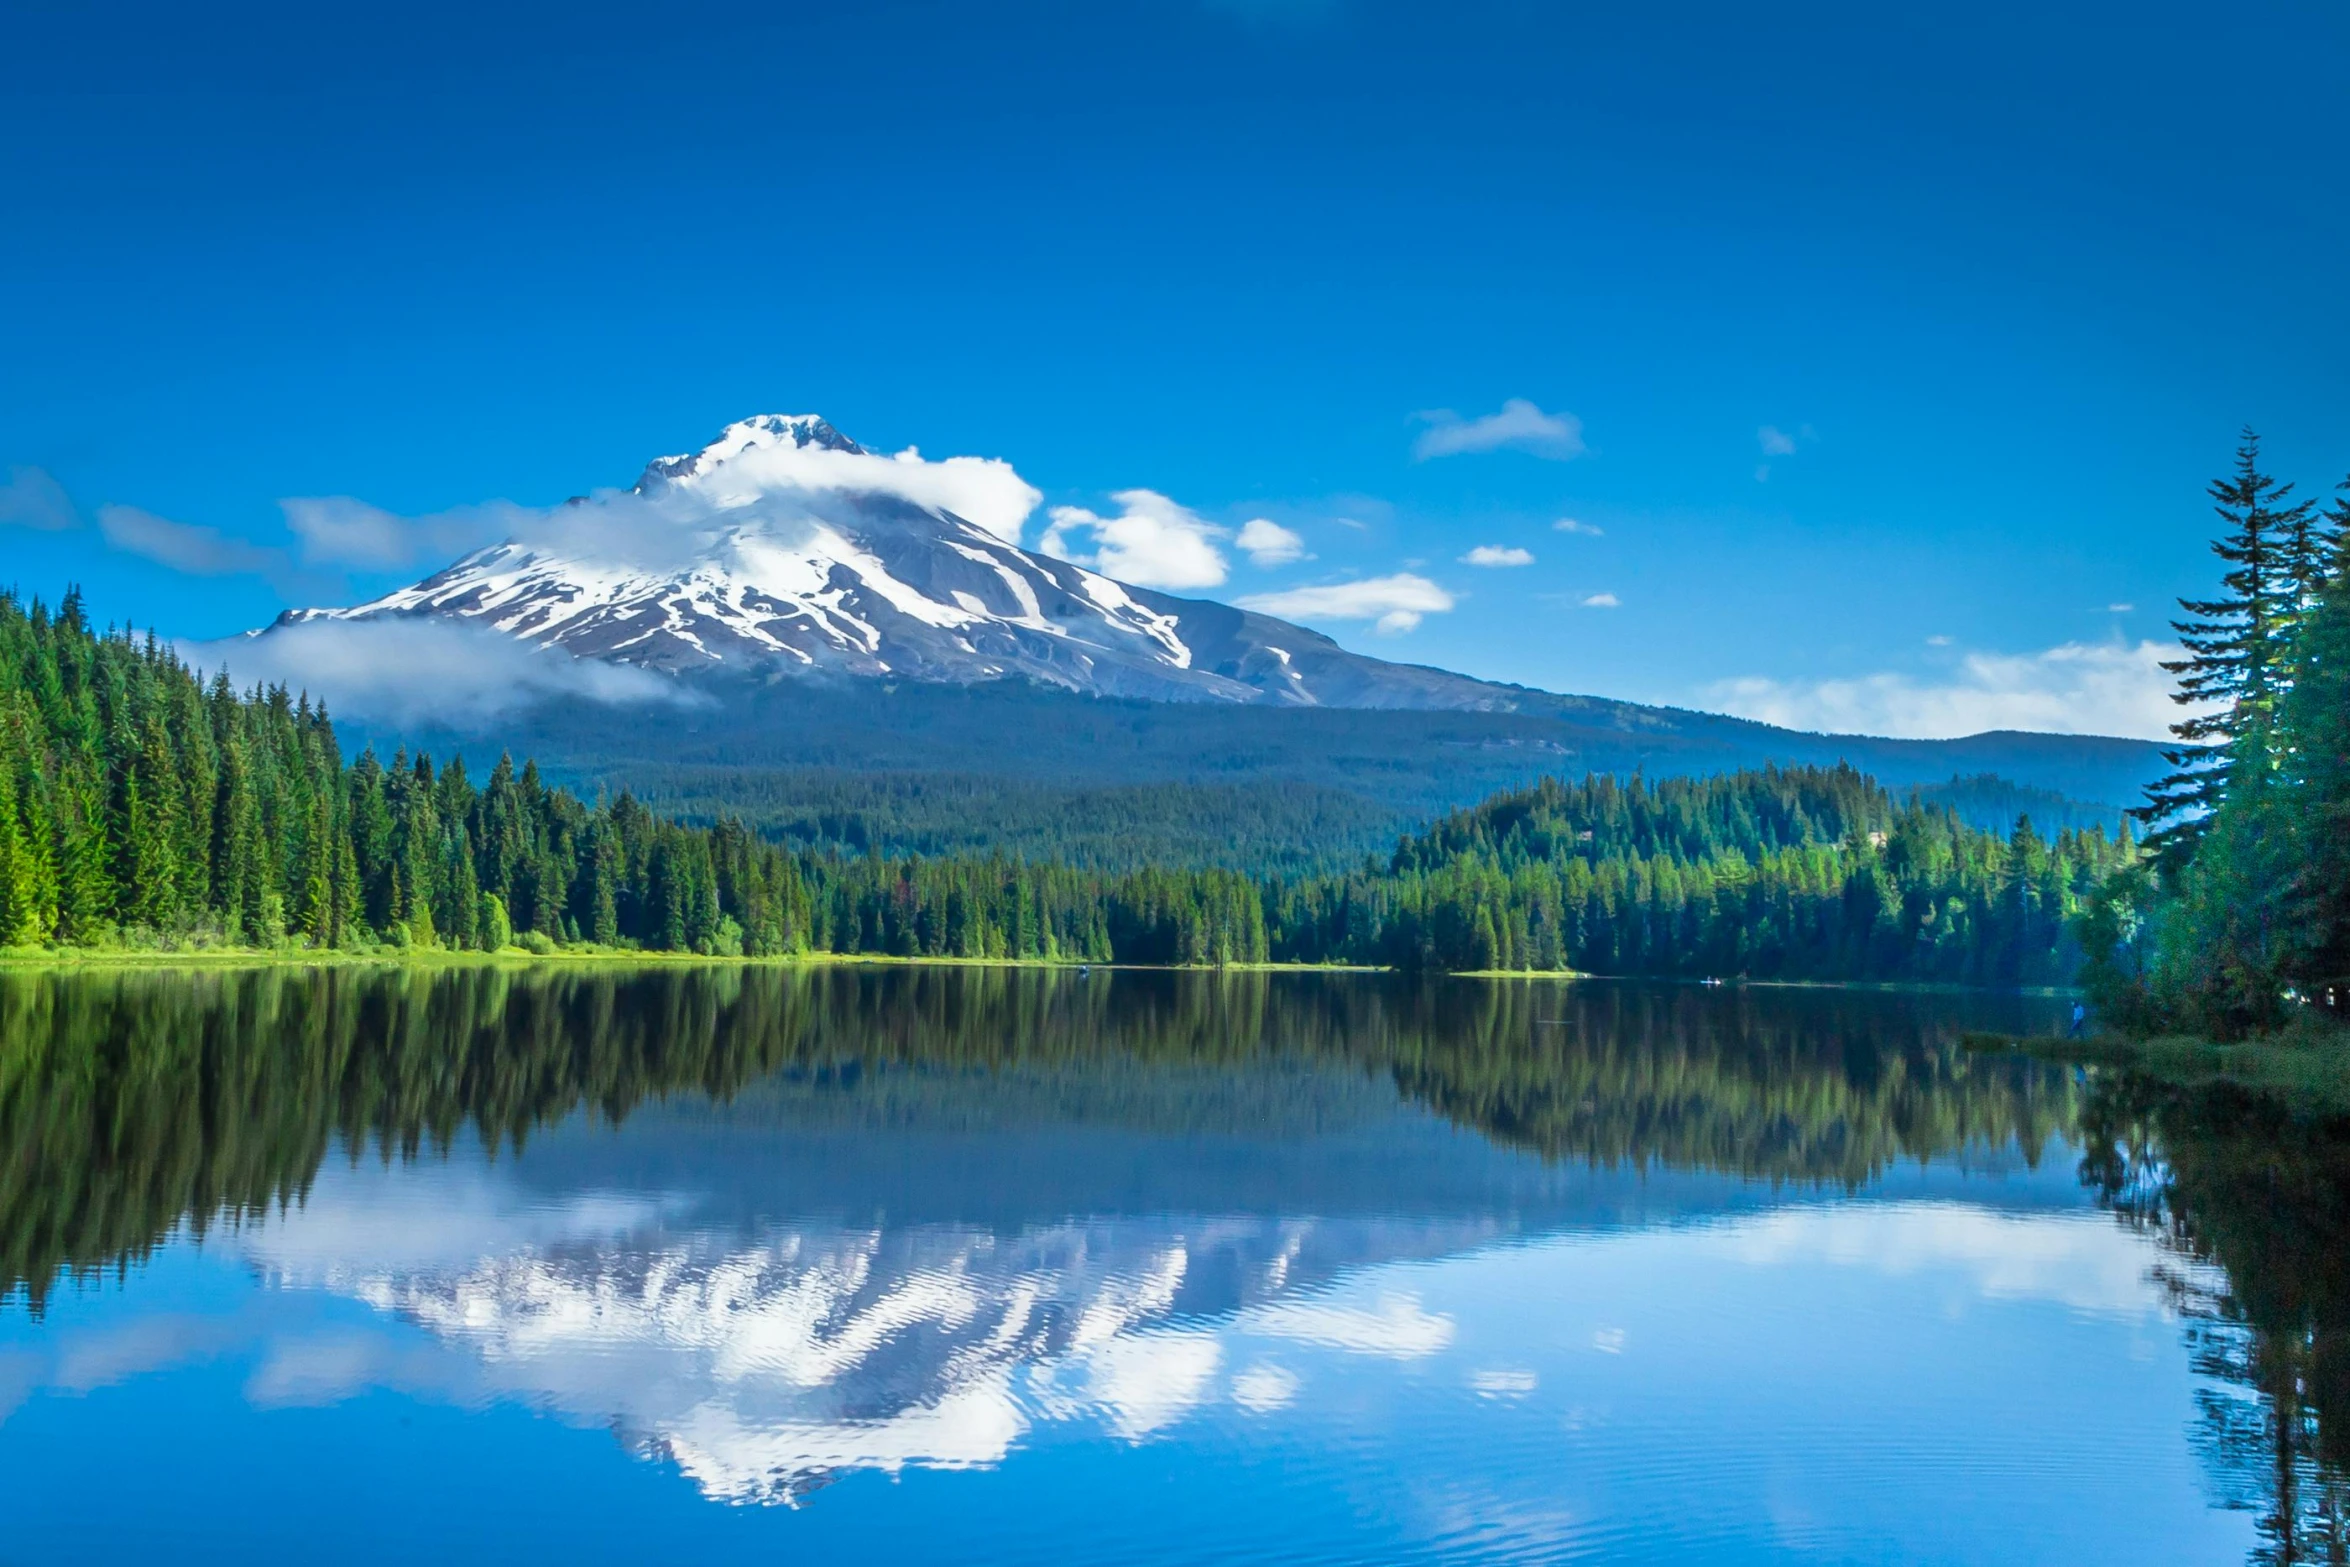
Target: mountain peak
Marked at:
758, 432
783, 546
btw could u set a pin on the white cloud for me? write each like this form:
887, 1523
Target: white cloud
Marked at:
675, 519
1519, 424
1153, 542
185, 546
1775, 441
1400, 1329
980, 490
1498, 555
1267, 543
1394, 603
1264, 1387
1143, 1382
405, 670
33, 499
1570, 525
2120, 609
338, 530
2082, 1260
1601, 601
2112, 688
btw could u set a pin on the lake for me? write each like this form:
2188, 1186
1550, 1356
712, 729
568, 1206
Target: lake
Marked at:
993, 1265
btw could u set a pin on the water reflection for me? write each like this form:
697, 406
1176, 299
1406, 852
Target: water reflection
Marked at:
135, 1102
2250, 1202
861, 1221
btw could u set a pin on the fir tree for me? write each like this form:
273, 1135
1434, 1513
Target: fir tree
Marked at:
2232, 647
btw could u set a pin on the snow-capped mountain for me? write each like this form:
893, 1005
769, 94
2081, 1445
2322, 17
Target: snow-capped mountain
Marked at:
784, 545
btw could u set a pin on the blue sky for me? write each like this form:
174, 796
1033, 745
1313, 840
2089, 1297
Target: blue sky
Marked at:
1885, 349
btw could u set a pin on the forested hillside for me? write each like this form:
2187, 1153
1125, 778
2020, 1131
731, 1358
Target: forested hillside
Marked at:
1265, 826
1284, 827
940, 769
142, 806
1803, 873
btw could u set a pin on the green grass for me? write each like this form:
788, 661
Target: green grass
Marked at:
518, 957
2307, 1066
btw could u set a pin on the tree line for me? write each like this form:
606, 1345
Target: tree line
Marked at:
143, 805
2239, 917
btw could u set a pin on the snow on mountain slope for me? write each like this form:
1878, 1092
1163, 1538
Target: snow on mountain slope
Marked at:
785, 545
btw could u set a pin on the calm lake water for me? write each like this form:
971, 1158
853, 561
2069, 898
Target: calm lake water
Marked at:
886, 1265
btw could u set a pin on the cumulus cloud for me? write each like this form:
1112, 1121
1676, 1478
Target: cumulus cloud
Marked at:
676, 517
1570, 525
1392, 604
1600, 601
33, 499
1267, 543
405, 670
1498, 555
1153, 542
186, 546
980, 490
1519, 425
2111, 688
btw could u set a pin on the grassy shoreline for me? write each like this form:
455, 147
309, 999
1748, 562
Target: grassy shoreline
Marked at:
15, 958
2307, 1067
518, 957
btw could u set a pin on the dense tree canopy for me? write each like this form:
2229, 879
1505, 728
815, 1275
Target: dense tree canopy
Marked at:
140, 805
2243, 920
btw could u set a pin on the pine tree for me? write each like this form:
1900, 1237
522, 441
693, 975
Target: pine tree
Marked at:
2315, 718
459, 892
19, 916
344, 920
85, 888
2232, 646
496, 930
314, 897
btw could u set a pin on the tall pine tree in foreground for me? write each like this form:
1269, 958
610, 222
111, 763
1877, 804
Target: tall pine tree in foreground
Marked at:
2232, 643
2251, 929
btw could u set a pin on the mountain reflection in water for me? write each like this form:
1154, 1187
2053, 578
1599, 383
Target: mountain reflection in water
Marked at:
781, 1226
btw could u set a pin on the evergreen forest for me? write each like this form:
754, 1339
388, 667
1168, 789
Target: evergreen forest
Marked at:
143, 806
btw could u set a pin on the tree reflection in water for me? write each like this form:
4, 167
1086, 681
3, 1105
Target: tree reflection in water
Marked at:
137, 1105
2250, 1203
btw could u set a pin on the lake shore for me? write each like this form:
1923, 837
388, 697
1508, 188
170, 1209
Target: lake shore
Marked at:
519, 957
2308, 1067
